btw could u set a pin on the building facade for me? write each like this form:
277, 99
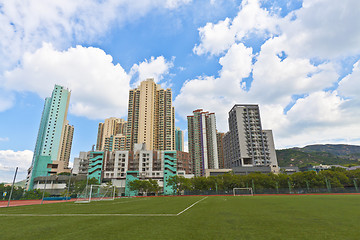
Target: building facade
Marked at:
247, 145
113, 129
115, 143
202, 141
120, 167
81, 164
220, 149
151, 117
53, 143
179, 140
66, 144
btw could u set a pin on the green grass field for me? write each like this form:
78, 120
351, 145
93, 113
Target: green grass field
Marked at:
214, 217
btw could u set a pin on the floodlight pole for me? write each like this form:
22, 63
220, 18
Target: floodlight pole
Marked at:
12, 187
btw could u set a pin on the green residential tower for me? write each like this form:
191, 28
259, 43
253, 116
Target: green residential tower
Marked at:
54, 140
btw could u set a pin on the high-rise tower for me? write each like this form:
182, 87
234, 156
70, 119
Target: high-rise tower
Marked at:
179, 139
220, 149
66, 144
109, 130
151, 117
247, 144
202, 141
53, 144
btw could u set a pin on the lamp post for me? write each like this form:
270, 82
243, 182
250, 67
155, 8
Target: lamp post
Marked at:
12, 187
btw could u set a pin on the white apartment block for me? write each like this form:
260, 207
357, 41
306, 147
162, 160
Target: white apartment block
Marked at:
247, 144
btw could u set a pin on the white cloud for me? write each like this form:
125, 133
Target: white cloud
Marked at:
10, 159
291, 89
215, 38
155, 68
176, 3
276, 79
237, 63
99, 88
25, 24
4, 139
218, 94
251, 20
310, 32
319, 117
350, 85
324, 30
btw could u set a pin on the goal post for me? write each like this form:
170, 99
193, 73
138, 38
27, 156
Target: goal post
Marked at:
96, 193
243, 192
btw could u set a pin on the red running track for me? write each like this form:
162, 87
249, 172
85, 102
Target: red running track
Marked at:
14, 203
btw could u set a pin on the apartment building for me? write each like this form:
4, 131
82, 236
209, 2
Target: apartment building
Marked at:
54, 140
202, 141
247, 147
151, 117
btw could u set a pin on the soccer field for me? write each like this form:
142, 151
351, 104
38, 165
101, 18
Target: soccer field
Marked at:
195, 217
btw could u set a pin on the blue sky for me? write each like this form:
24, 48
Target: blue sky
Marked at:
299, 60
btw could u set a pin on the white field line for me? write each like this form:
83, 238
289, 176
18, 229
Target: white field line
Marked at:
191, 206
101, 214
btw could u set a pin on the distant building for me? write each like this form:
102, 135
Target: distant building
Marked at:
96, 162
115, 143
119, 167
55, 185
81, 164
179, 139
320, 167
54, 140
220, 149
202, 141
66, 144
109, 134
247, 147
217, 172
289, 170
151, 117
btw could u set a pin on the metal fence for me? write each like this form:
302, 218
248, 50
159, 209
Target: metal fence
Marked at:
277, 191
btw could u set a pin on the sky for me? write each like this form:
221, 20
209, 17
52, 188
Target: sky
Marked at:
299, 60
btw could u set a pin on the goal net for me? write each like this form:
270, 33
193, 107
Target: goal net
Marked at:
96, 193
243, 192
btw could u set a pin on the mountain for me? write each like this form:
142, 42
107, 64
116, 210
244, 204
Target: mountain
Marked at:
331, 154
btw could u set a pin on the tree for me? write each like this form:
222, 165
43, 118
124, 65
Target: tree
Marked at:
77, 187
18, 192
179, 183
34, 194
154, 186
144, 186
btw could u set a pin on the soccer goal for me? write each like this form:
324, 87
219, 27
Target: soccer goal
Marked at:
96, 193
243, 192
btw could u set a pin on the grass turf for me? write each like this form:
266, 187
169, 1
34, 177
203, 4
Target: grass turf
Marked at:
216, 217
